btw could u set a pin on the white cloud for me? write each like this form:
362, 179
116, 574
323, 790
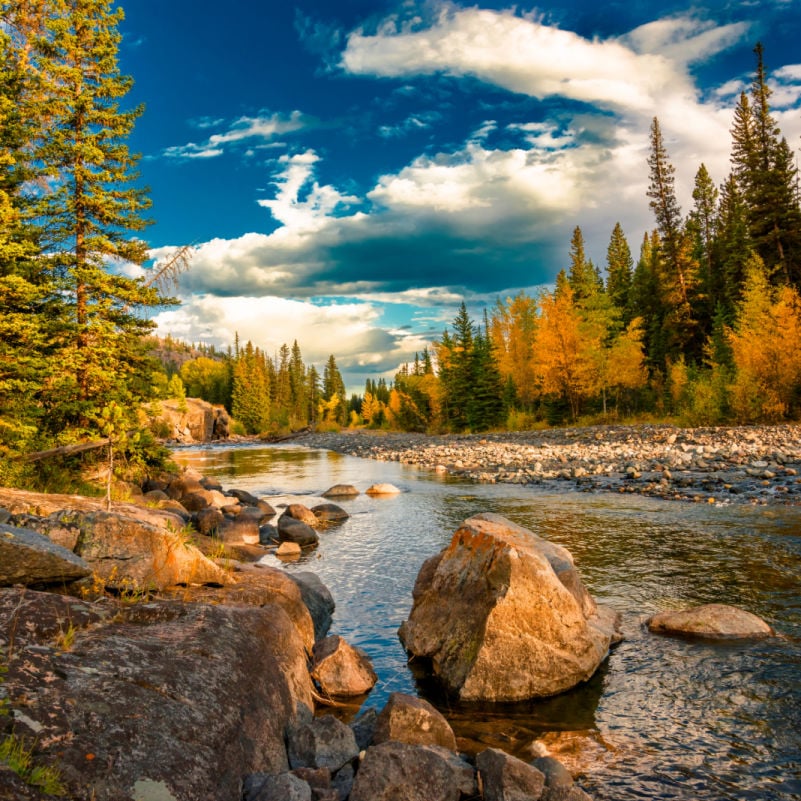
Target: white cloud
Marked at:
244, 129
352, 331
523, 55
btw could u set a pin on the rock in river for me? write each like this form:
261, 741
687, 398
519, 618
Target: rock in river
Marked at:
712, 621
503, 615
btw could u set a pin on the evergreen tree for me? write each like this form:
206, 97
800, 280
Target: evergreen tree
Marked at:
678, 270
701, 226
486, 408
89, 211
733, 246
619, 265
333, 393
582, 276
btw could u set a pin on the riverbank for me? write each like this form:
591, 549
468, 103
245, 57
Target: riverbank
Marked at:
747, 464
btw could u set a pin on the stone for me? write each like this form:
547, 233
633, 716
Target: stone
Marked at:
297, 511
244, 497
412, 720
189, 696
341, 491
280, 787
364, 727
156, 495
391, 771
382, 489
130, 553
329, 512
342, 781
318, 600
239, 529
321, 743
184, 485
257, 514
288, 549
711, 621
257, 586
27, 557
340, 670
507, 778
556, 774
212, 484
291, 530
195, 501
503, 615
62, 534
208, 521
268, 534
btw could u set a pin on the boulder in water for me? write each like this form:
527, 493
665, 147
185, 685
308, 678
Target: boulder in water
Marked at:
382, 489
503, 615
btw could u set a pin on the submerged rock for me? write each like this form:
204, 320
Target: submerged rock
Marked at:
504, 616
341, 491
382, 489
712, 621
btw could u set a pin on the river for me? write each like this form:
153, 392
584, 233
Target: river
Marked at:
663, 718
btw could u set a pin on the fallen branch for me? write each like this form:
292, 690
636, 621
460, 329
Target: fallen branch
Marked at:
64, 450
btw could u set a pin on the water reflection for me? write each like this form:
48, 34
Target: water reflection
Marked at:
664, 718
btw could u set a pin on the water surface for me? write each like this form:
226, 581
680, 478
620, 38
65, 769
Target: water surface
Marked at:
664, 718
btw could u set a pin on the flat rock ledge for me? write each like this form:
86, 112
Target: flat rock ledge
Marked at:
711, 621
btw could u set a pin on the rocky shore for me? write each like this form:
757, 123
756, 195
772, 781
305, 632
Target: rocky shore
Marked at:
754, 464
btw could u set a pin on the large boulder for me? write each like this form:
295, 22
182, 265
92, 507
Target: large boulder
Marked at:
711, 621
30, 558
503, 615
341, 670
341, 491
318, 600
131, 553
392, 771
188, 698
329, 513
297, 511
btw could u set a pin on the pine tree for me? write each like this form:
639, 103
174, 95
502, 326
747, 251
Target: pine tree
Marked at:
582, 276
701, 226
733, 246
678, 269
90, 210
619, 265
333, 392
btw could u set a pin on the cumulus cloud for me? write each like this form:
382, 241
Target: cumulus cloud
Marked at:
526, 56
261, 129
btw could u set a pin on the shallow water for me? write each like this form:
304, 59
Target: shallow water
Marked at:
664, 718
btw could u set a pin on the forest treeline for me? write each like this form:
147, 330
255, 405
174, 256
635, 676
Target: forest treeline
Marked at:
705, 325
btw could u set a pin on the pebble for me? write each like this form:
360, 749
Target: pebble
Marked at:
757, 464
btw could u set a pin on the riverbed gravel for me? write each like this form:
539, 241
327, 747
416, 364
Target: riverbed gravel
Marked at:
755, 464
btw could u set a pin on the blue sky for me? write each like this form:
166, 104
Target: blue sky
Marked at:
350, 171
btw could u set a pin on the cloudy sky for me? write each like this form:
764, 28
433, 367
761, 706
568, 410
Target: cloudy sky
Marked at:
350, 171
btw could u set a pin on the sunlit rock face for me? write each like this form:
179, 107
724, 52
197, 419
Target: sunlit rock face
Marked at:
504, 616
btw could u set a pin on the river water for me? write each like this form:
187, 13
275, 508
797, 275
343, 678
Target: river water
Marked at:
663, 718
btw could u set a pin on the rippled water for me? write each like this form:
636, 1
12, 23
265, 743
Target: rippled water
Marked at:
664, 718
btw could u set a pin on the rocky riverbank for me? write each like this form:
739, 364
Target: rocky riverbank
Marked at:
754, 464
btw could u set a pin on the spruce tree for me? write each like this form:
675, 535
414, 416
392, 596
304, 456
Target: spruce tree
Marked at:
582, 276
619, 265
90, 211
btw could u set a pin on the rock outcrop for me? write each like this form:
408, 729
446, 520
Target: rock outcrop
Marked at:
188, 697
190, 420
503, 615
711, 621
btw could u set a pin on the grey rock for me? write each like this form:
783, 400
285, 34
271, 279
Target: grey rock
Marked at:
27, 557
412, 720
318, 600
291, 530
507, 778
322, 743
